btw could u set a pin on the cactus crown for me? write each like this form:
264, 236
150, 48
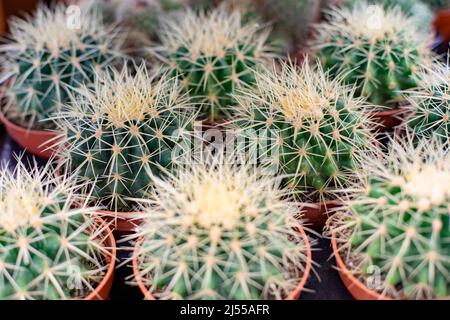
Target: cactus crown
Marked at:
380, 50
124, 129
46, 58
430, 105
317, 128
220, 231
399, 222
213, 53
47, 249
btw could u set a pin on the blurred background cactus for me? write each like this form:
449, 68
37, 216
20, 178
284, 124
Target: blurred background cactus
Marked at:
418, 10
46, 58
378, 50
398, 222
316, 128
125, 129
429, 105
214, 54
220, 231
48, 249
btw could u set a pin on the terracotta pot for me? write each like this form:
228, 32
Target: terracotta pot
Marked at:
387, 119
294, 295
38, 142
2, 19
101, 292
317, 214
122, 221
356, 288
441, 24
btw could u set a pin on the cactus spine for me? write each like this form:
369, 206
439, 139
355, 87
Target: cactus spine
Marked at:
220, 231
46, 59
398, 222
123, 131
317, 129
379, 50
214, 54
429, 105
48, 250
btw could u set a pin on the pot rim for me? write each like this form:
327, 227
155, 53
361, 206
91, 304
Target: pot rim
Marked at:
343, 270
294, 295
109, 273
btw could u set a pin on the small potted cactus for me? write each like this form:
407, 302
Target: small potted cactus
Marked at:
392, 239
220, 231
214, 54
50, 250
307, 127
378, 50
121, 132
45, 58
430, 105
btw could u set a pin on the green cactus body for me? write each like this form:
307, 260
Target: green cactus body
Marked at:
214, 55
430, 109
123, 131
220, 231
378, 50
46, 60
48, 251
399, 222
317, 129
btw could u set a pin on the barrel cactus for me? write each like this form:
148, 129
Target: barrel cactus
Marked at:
379, 50
307, 126
220, 231
124, 130
48, 56
396, 228
429, 105
418, 10
48, 249
214, 54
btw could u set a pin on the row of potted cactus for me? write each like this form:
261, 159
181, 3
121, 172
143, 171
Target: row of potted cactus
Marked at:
211, 226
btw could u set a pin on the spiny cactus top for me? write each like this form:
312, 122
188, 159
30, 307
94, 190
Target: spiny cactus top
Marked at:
214, 54
305, 125
430, 105
48, 55
122, 131
220, 231
396, 229
379, 50
48, 250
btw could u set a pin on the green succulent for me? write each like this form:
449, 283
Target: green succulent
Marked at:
45, 59
128, 128
220, 231
49, 250
378, 50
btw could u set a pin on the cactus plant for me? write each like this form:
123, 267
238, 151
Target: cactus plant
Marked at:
316, 128
48, 250
48, 56
429, 105
214, 54
418, 10
379, 50
397, 222
220, 231
122, 129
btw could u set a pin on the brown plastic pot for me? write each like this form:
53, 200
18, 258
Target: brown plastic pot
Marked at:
441, 24
317, 214
356, 288
294, 295
38, 142
387, 119
103, 289
2, 19
122, 221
